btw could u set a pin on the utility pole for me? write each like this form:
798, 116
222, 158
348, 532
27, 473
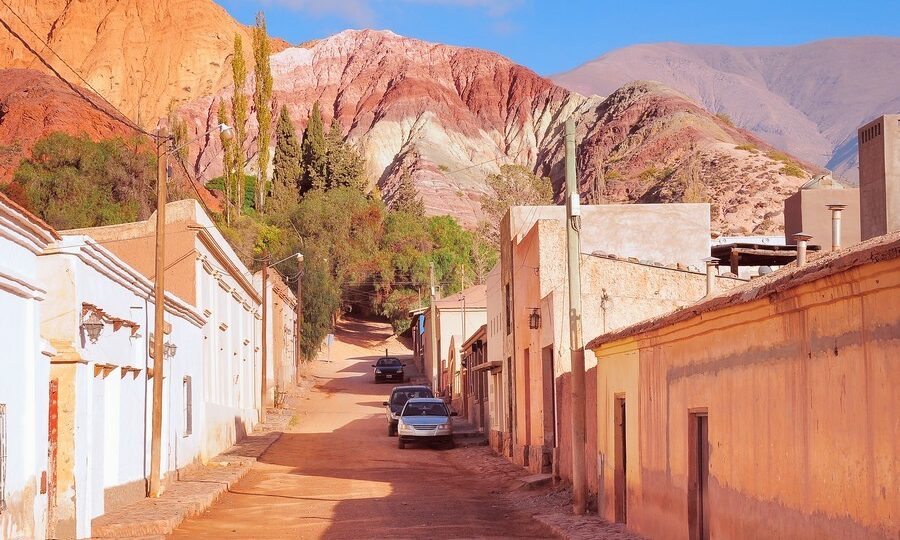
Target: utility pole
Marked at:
432, 327
576, 344
265, 338
159, 306
298, 322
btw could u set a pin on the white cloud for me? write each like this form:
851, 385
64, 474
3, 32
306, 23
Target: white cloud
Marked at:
494, 8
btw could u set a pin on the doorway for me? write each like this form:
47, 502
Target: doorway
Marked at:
698, 476
621, 463
548, 378
52, 445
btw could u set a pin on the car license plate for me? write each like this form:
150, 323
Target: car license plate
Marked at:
388, 376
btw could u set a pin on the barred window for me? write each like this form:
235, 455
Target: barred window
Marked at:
188, 405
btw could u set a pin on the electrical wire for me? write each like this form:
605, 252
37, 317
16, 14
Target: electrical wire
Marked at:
122, 120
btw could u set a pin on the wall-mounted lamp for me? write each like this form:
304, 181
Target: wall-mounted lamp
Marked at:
92, 326
534, 320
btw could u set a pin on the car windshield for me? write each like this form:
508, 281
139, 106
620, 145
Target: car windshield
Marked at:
400, 397
425, 409
389, 362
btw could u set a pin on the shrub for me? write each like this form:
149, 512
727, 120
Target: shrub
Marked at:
791, 169
747, 148
74, 182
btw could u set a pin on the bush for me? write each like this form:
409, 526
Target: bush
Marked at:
791, 169
747, 148
74, 182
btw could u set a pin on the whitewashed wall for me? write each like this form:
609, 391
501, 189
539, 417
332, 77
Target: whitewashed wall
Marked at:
231, 352
23, 374
107, 383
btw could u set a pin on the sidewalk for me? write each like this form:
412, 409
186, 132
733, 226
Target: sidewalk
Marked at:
195, 490
548, 504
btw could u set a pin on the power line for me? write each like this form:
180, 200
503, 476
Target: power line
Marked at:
123, 119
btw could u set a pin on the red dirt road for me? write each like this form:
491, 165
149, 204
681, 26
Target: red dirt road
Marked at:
336, 474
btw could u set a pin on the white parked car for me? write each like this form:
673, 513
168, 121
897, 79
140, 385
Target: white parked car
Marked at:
425, 420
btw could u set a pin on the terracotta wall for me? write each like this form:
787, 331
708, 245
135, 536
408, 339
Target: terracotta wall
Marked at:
800, 388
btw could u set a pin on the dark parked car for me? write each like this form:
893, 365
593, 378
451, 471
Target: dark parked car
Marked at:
399, 396
389, 368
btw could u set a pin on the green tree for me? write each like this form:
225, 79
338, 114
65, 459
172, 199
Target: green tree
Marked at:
514, 185
286, 169
228, 163
74, 182
239, 115
262, 97
315, 153
344, 165
406, 198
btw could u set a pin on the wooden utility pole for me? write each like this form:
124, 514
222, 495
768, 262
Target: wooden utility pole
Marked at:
432, 331
265, 339
298, 320
576, 344
159, 300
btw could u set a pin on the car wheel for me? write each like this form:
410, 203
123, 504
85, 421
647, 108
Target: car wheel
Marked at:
449, 444
400, 444
390, 429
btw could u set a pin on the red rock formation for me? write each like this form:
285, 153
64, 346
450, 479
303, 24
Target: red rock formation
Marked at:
33, 105
450, 116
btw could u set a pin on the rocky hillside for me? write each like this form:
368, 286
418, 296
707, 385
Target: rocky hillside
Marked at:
142, 55
33, 105
450, 116
648, 143
807, 99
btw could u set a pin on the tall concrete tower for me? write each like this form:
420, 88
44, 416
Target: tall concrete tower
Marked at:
879, 176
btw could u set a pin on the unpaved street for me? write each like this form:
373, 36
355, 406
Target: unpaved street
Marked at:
336, 474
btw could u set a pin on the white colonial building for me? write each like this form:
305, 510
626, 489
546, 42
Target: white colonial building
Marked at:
98, 315
24, 375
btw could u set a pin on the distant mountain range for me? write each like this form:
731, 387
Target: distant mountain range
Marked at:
807, 99
446, 115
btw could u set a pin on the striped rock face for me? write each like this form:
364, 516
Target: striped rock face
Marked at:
450, 116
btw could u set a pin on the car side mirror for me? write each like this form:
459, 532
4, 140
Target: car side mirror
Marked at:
454, 413
373, 365
403, 365
384, 403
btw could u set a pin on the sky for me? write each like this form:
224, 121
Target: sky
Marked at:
552, 37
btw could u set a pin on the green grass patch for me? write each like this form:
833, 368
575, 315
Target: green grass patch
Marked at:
792, 170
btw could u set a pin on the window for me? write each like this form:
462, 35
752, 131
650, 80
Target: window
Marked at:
508, 313
2, 457
188, 405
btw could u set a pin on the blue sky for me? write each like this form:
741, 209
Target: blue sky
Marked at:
551, 37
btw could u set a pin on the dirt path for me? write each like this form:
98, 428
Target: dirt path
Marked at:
336, 473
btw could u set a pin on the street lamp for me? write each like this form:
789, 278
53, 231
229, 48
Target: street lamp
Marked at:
92, 326
163, 143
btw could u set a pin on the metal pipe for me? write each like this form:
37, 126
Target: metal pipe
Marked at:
712, 265
802, 239
836, 225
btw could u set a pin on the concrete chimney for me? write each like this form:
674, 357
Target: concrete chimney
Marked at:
712, 265
801, 238
836, 225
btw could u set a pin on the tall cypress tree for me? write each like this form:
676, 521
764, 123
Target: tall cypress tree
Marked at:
345, 167
228, 165
262, 97
286, 169
239, 115
315, 153
406, 198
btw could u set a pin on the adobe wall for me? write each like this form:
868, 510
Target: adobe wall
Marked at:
800, 390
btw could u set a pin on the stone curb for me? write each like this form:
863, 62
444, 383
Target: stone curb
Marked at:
194, 491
